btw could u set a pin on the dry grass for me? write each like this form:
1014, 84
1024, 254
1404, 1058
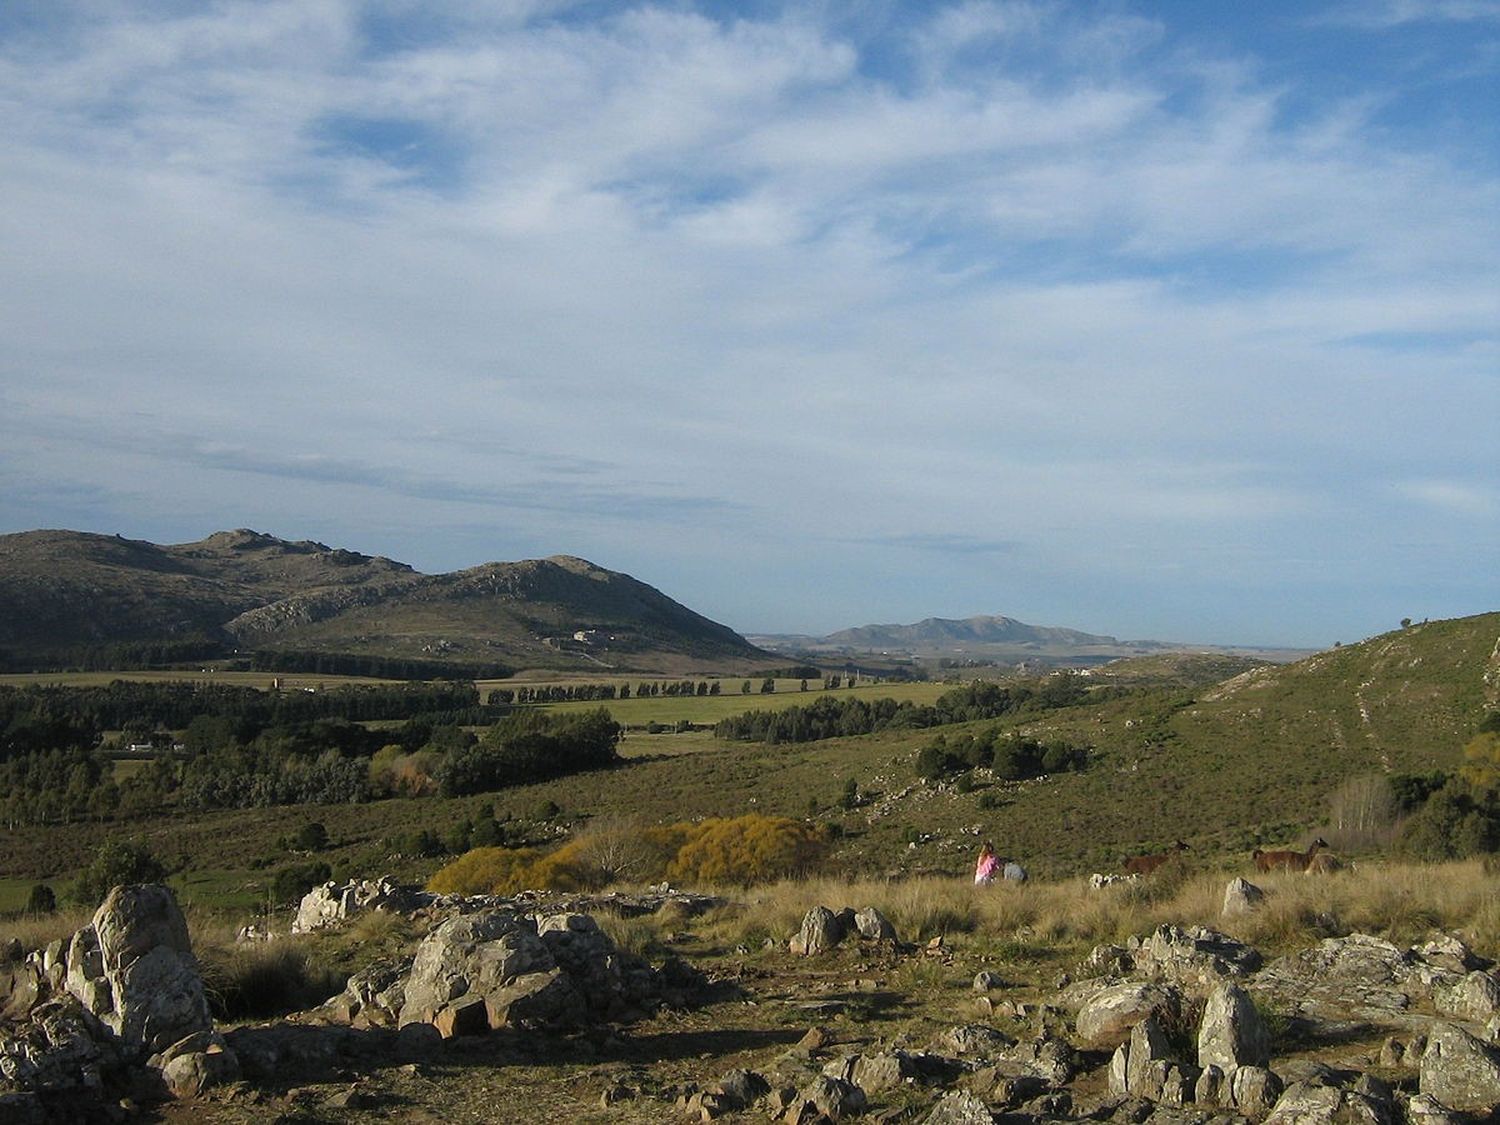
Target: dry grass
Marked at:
37, 931
1400, 902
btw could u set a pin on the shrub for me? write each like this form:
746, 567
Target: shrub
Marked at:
259, 979
291, 883
42, 900
748, 849
312, 836
117, 862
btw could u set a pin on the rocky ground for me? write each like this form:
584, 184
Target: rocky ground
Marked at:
525, 1010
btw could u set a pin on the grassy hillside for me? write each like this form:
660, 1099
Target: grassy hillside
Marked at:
1249, 762
74, 599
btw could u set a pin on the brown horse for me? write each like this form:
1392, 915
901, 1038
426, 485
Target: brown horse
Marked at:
1145, 864
1287, 860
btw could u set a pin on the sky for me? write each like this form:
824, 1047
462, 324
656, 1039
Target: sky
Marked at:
1165, 320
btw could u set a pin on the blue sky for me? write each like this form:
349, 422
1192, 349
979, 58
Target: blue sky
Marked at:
1172, 320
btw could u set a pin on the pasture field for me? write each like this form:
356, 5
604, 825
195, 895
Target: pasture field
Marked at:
667, 710
259, 680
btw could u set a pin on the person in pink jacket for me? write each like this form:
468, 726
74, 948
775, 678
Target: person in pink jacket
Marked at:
989, 863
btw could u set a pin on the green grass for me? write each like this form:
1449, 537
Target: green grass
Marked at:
709, 709
1248, 764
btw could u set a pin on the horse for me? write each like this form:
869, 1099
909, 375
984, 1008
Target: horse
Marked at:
1287, 860
1145, 864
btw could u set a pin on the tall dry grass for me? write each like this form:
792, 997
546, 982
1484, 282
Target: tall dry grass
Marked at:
1401, 902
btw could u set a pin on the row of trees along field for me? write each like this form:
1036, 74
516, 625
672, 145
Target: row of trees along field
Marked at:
832, 717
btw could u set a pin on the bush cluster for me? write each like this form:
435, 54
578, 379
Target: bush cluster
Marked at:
1011, 756
741, 850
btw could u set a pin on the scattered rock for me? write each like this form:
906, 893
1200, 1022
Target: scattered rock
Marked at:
333, 903
1476, 997
1106, 1019
1194, 957
1232, 1033
1241, 897
1460, 1071
958, 1107
872, 925
821, 930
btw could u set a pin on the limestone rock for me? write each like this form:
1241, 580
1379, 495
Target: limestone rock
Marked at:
821, 930
471, 955
1254, 1090
1106, 1019
1232, 1033
1241, 897
143, 948
332, 903
1459, 1070
1147, 1059
1476, 997
958, 1107
874, 926
1195, 957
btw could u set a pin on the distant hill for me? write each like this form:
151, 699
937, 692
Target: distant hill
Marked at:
985, 638
75, 598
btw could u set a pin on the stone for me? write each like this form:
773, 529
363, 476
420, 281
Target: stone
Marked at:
1107, 961
743, 1088
1146, 1065
1195, 956
495, 956
1448, 951
1424, 1109
1106, 1019
1241, 897
884, 1071
975, 1041
1309, 1104
1119, 1070
1476, 997
834, 1098
20, 991
1459, 1070
821, 930
1232, 1033
332, 903
872, 925
984, 980
156, 992
191, 1073
1211, 1087
958, 1107
1254, 1090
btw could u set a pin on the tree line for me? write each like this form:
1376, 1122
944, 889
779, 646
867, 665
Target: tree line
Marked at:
830, 717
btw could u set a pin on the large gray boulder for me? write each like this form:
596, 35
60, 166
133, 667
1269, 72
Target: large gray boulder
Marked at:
1194, 957
497, 957
1106, 1018
820, 931
155, 992
1459, 1070
1241, 897
1476, 997
1148, 1059
1232, 1033
332, 903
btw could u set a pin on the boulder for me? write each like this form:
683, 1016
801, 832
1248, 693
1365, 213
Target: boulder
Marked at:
834, 1098
1211, 1087
1424, 1109
155, 991
1305, 1103
1232, 1033
874, 926
483, 955
1106, 1019
821, 930
1195, 957
1254, 1090
1459, 1070
332, 903
958, 1107
1476, 997
1147, 1059
1241, 897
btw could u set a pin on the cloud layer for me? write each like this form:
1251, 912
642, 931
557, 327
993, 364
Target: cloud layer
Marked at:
1099, 319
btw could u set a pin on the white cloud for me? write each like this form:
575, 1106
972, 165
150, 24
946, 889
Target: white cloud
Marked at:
1052, 278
